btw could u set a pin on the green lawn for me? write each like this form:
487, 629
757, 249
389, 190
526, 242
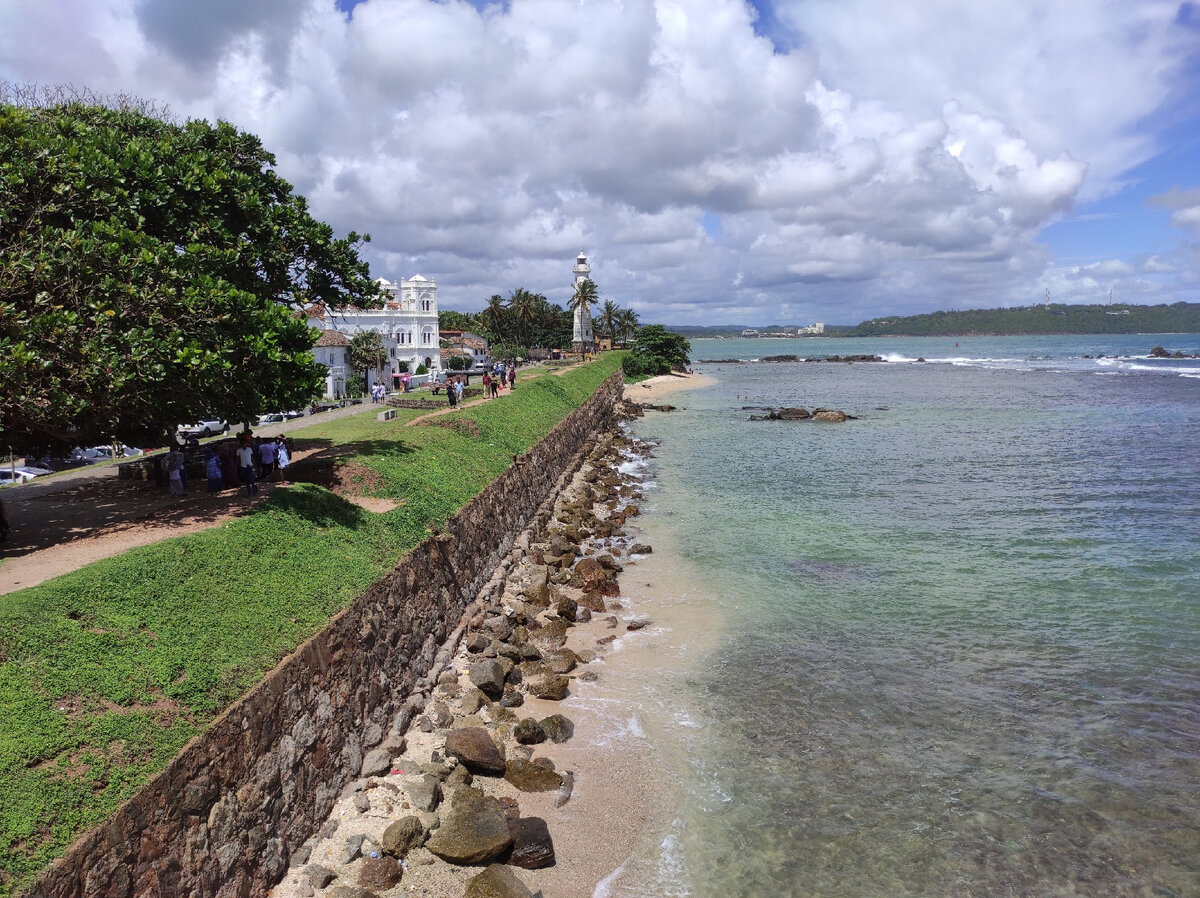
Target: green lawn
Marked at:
107, 671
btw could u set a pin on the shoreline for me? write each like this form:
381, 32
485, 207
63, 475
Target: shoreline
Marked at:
621, 795
654, 389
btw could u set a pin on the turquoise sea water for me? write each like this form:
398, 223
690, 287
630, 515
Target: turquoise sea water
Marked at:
962, 642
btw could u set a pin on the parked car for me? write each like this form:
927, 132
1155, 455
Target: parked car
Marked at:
205, 427
272, 418
97, 454
8, 476
294, 414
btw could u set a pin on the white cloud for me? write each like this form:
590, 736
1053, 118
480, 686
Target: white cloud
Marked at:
900, 157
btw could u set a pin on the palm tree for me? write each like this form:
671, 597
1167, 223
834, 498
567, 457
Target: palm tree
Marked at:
581, 304
523, 307
608, 319
627, 323
493, 315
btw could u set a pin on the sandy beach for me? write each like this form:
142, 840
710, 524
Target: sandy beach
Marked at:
623, 762
654, 390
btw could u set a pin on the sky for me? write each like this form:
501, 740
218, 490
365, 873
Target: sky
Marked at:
719, 161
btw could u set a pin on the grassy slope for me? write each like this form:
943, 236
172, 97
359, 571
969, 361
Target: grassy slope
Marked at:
106, 672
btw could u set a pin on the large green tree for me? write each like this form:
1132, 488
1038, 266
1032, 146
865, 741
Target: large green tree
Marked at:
149, 272
366, 353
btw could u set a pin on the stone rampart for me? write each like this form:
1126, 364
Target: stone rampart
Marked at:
224, 817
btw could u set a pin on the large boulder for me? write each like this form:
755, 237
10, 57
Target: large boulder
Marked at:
497, 881
474, 832
403, 836
473, 746
488, 677
829, 414
791, 414
548, 685
550, 636
530, 777
589, 574
424, 792
529, 732
379, 873
558, 728
532, 846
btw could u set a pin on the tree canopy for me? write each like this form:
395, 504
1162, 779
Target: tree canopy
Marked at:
657, 351
149, 272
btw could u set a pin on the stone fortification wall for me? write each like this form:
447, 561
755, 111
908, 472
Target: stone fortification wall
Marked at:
224, 817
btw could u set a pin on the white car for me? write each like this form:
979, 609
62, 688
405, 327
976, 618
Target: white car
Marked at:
205, 427
273, 418
8, 476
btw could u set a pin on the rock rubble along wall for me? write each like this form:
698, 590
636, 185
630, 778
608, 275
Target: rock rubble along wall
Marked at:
224, 817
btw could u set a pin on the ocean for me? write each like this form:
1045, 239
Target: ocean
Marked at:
958, 638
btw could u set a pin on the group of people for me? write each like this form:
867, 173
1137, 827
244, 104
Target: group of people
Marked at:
258, 459
493, 381
228, 465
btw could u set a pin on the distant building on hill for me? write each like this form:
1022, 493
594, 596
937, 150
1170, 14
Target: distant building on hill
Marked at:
750, 332
407, 324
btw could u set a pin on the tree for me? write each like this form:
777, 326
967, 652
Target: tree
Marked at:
366, 352
608, 319
494, 316
450, 320
149, 272
523, 306
627, 324
657, 351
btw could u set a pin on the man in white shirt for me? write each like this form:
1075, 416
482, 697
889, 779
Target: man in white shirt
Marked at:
245, 461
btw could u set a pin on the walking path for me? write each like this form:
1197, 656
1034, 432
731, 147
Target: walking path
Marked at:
73, 518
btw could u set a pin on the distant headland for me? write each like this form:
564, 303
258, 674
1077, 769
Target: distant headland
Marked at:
1052, 318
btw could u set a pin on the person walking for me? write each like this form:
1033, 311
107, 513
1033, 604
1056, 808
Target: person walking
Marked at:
458, 390
451, 392
245, 459
512, 377
266, 460
212, 469
497, 383
173, 463
283, 458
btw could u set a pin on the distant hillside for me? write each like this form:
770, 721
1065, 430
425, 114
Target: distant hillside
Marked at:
693, 331
1180, 317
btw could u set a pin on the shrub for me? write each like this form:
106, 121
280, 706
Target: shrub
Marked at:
421, 369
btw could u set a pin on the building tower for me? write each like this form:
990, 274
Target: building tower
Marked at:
582, 338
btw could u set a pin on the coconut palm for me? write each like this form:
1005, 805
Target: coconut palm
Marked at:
607, 319
493, 316
523, 308
627, 323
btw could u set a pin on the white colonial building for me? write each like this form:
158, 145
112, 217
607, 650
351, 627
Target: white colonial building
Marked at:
407, 322
582, 337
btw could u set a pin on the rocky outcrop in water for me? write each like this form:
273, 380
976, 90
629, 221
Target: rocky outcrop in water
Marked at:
803, 414
1159, 353
846, 358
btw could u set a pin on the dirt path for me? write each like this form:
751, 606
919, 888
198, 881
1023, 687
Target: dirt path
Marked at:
65, 522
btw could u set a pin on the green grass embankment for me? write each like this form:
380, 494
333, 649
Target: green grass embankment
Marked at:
106, 672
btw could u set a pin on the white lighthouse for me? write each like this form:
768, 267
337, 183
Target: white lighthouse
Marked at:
582, 337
